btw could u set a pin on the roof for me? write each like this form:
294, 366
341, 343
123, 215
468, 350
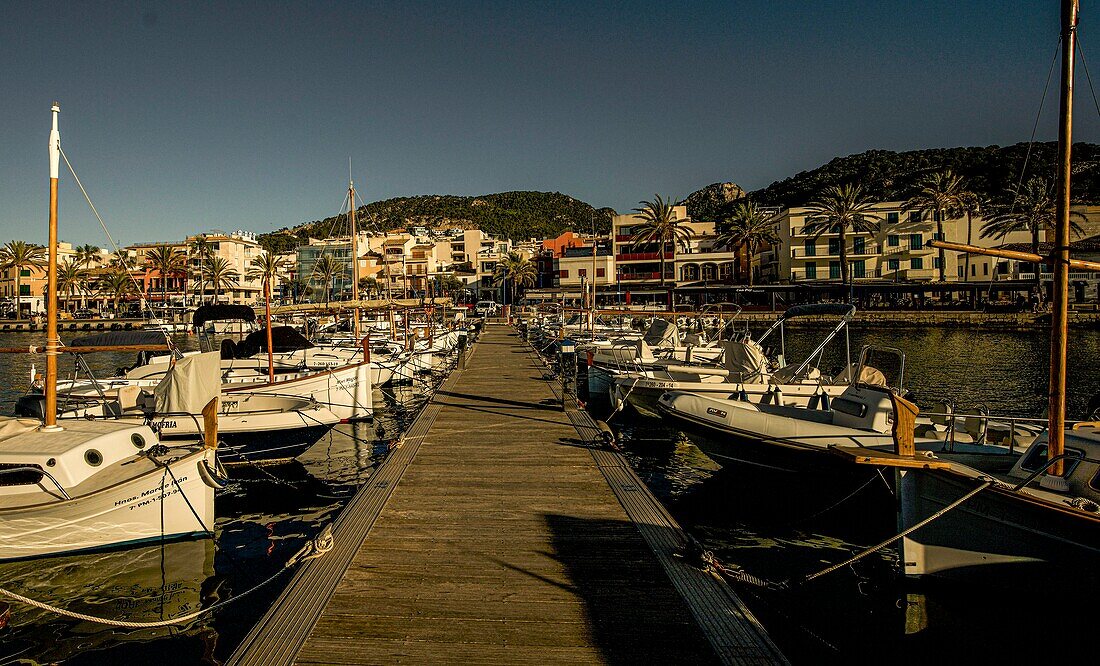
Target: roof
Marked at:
1090, 244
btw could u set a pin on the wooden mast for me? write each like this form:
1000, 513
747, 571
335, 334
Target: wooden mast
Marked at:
1060, 255
354, 256
53, 343
267, 318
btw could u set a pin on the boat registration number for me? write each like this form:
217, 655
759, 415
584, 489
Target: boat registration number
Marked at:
720, 413
662, 385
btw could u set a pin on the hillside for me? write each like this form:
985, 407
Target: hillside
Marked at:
515, 215
991, 171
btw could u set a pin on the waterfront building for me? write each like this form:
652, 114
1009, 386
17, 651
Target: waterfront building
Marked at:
238, 249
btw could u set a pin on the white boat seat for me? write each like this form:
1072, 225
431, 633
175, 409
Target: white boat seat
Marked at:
975, 426
926, 431
127, 397
868, 375
941, 413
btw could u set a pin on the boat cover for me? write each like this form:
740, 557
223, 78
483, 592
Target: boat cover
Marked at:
207, 313
744, 360
11, 426
819, 309
283, 339
190, 384
120, 338
662, 333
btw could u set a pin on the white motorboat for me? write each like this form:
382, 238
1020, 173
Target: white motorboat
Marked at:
98, 484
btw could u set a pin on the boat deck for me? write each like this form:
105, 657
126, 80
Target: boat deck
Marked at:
499, 533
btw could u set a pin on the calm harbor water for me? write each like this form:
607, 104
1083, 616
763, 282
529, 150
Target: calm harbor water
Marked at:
856, 615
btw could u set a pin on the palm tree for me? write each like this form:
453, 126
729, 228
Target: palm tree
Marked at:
971, 204
518, 269
748, 226
219, 274
116, 284
166, 261
940, 193
1032, 209
328, 269
368, 285
660, 225
86, 255
21, 256
71, 277
199, 249
838, 209
266, 268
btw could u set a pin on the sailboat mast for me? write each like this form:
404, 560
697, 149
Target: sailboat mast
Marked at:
354, 257
1060, 254
53, 343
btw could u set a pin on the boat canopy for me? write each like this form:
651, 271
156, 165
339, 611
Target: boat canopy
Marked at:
190, 384
207, 313
283, 339
819, 309
113, 338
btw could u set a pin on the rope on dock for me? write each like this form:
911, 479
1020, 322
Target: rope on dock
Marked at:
313, 549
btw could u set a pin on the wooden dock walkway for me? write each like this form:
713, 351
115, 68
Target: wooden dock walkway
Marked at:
509, 539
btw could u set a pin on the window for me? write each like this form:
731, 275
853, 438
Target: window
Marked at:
893, 264
25, 272
937, 236
859, 245
834, 246
935, 262
811, 271
985, 269
892, 218
859, 268
974, 269
583, 272
914, 217
563, 273
24, 290
916, 241
893, 240
811, 248
834, 270
916, 262
601, 272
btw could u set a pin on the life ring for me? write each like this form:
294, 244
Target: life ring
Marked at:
216, 477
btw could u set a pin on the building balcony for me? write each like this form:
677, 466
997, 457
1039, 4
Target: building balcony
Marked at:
643, 256
907, 249
654, 275
869, 250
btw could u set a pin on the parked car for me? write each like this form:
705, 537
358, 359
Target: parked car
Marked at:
486, 308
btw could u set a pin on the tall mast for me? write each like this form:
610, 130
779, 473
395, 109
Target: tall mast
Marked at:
1060, 255
53, 343
354, 255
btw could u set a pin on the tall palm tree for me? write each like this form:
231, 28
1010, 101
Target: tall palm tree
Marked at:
940, 193
517, 269
198, 249
971, 204
266, 267
660, 225
328, 268
838, 209
87, 255
1032, 208
71, 277
116, 284
19, 255
219, 274
748, 226
167, 261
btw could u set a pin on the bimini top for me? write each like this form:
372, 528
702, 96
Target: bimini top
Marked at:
222, 313
283, 339
112, 338
819, 309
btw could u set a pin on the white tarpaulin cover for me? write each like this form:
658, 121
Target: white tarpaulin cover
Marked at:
191, 383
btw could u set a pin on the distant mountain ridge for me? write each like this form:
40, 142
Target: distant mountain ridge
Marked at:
516, 215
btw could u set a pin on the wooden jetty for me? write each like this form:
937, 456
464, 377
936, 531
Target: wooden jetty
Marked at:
498, 532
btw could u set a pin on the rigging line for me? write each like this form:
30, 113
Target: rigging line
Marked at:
118, 252
1081, 51
324, 249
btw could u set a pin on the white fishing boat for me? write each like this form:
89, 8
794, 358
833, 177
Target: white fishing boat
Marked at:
95, 484
744, 371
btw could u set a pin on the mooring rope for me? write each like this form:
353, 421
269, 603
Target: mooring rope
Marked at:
312, 549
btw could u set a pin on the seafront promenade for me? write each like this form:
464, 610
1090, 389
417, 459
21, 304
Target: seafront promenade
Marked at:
499, 532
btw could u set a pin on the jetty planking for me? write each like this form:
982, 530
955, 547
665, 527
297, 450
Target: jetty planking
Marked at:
498, 533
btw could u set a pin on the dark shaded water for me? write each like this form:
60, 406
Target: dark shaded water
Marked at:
766, 525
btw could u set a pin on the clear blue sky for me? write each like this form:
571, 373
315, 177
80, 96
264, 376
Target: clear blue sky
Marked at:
181, 117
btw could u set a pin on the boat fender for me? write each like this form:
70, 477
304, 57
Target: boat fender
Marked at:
742, 394
815, 400
825, 406
778, 396
216, 477
607, 435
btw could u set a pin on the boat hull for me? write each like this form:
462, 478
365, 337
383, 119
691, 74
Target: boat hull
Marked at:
160, 504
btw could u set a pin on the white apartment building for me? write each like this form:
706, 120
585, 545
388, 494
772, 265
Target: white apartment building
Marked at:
238, 249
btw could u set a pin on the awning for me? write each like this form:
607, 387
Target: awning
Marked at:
222, 313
